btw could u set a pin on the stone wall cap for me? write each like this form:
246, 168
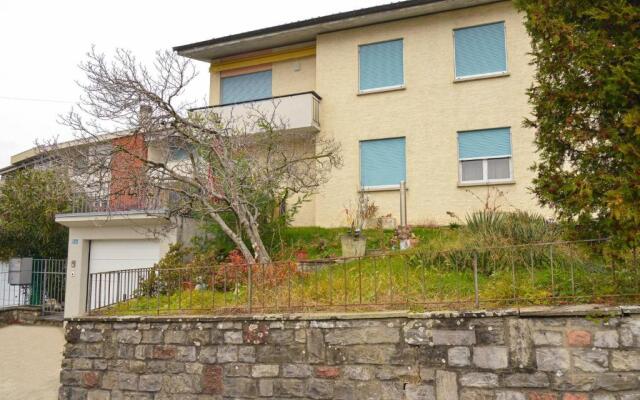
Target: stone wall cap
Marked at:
529, 312
579, 310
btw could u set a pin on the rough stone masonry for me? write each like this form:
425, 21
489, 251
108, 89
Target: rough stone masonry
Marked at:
510, 355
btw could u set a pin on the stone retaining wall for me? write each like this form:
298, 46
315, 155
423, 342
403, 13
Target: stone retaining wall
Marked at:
23, 315
503, 356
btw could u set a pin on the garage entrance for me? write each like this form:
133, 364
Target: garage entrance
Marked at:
114, 255
116, 267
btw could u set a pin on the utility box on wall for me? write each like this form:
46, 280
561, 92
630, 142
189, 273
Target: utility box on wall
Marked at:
20, 270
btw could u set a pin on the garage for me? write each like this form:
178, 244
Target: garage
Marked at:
115, 255
116, 268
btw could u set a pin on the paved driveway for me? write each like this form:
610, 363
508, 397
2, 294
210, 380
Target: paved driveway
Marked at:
30, 358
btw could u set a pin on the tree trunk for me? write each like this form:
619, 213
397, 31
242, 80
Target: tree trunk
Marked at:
259, 249
250, 228
246, 253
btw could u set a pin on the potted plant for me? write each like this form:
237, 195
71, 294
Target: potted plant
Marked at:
405, 238
354, 243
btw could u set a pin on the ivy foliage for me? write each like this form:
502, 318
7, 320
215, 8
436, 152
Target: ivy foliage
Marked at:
586, 113
29, 200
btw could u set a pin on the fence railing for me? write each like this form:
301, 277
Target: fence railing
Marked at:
42, 285
105, 202
497, 277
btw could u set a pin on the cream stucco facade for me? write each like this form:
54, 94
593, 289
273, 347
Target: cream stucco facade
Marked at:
428, 111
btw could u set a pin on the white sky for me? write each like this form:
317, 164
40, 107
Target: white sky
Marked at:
42, 43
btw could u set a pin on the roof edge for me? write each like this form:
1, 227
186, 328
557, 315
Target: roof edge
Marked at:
306, 22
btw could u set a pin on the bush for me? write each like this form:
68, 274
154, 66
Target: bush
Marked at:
184, 268
29, 201
496, 228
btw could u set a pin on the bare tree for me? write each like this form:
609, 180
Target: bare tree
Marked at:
196, 161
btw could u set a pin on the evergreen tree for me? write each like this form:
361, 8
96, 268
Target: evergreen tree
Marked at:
586, 113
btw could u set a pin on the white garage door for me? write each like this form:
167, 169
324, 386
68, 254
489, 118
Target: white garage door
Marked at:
126, 257
115, 255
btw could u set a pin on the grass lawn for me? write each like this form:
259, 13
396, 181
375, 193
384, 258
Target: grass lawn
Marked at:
325, 242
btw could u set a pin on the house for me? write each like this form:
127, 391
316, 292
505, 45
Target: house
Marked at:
110, 229
428, 95
429, 92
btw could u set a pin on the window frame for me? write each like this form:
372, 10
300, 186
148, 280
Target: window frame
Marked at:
485, 161
463, 78
382, 88
376, 188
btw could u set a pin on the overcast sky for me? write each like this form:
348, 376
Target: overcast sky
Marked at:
43, 41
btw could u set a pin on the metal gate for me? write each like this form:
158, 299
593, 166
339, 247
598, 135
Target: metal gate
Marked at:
33, 282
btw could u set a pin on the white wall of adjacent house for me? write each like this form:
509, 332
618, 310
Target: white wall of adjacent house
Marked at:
108, 243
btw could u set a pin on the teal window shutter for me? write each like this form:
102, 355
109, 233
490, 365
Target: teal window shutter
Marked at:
254, 86
381, 65
382, 162
480, 50
488, 143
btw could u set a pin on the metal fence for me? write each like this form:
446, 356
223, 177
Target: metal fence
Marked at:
109, 288
42, 285
496, 277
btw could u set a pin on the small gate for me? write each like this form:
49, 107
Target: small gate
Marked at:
33, 282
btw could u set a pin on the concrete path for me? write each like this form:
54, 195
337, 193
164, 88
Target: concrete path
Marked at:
30, 358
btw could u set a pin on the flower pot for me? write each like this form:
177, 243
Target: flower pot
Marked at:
353, 246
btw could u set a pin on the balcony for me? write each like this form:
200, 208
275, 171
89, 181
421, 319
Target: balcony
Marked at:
87, 208
299, 113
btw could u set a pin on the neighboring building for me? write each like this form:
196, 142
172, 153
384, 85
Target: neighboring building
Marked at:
430, 92
110, 229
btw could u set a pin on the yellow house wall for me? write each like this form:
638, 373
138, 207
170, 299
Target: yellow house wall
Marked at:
288, 77
428, 113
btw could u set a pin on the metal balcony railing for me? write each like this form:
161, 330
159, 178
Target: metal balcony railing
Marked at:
106, 203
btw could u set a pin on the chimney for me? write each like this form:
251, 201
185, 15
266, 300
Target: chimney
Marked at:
144, 116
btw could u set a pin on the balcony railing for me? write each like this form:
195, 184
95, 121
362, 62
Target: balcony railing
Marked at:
298, 112
82, 203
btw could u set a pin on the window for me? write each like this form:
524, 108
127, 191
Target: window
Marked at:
179, 154
480, 50
485, 155
254, 86
382, 162
381, 65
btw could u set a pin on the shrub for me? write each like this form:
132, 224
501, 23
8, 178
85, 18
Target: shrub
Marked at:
183, 268
495, 228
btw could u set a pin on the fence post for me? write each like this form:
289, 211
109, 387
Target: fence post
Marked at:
475, 279
635, 265
43, 289
553, 282
157, 272
403, 203
250, 287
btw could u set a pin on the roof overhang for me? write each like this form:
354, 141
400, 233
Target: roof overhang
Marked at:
308, 30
